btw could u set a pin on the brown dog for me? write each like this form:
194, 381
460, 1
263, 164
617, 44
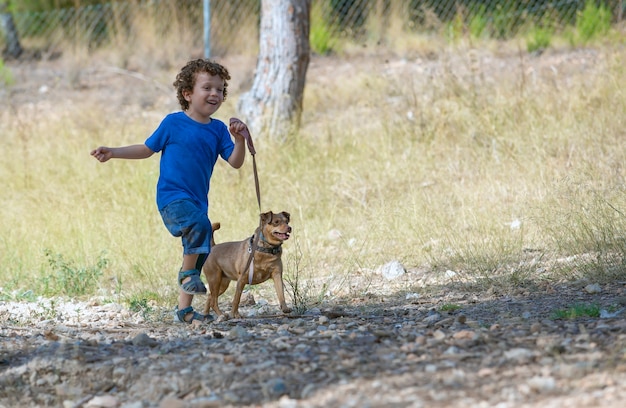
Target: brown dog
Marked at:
228, 260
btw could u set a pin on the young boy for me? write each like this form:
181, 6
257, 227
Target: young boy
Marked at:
190, 142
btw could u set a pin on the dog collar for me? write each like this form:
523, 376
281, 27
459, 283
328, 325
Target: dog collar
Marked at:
274, 250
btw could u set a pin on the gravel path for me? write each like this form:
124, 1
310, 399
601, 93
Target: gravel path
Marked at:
381, 351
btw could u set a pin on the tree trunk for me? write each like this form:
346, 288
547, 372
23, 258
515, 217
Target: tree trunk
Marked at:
13, 48
273, 106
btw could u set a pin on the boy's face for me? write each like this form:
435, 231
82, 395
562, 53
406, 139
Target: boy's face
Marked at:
206, 97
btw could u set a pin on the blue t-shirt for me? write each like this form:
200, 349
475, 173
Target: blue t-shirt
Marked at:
189, 151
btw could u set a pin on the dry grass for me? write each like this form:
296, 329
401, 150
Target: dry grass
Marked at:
502, 167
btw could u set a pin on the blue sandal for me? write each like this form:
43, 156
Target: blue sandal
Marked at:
194, 286
179, 316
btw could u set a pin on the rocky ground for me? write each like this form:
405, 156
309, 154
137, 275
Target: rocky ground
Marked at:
448, 347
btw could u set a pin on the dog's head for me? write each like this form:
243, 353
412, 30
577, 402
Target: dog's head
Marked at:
275, 227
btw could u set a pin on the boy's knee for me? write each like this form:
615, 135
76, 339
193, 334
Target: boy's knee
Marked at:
204, 227
198, 235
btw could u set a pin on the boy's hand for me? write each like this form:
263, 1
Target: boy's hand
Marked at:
102, 153
238, 128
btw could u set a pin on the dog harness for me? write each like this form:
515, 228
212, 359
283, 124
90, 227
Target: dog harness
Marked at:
273, 249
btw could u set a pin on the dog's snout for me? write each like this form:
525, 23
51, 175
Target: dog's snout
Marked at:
288, 228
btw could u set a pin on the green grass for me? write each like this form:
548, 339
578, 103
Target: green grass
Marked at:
449, 307
577, 311
592, 22
6, 76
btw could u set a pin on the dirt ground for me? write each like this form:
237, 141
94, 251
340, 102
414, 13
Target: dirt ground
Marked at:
447, 347
444, 345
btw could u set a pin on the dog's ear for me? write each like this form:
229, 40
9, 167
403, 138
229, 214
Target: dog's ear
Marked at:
266, 217
286, 215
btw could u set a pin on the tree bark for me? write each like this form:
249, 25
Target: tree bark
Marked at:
273, 107
13, 47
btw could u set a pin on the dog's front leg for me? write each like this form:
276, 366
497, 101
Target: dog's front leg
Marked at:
277, 276
241, 283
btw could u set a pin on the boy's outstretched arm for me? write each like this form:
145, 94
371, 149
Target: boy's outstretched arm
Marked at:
239, 130
138, 151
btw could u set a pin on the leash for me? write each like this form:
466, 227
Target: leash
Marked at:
255, 242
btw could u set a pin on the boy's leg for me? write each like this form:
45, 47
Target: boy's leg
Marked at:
184, 219
190, 262
185, 299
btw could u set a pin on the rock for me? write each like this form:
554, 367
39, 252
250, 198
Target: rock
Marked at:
593, 288
518, 354
286, 402
412, 296
104, 401
605, 314
392, 270
171, 402
247, 299
465, 335
274, 388
432, 318
542, 384
238, 332
143, 340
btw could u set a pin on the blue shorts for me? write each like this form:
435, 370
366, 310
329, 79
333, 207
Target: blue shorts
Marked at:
183, 218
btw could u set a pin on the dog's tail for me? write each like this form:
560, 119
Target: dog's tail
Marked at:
214, 226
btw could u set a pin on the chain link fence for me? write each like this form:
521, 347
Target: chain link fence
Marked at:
234, 23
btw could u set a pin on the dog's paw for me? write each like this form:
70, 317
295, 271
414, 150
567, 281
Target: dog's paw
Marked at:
286, 310
221, 318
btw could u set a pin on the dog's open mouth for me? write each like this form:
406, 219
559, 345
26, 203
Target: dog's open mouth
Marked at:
283, 236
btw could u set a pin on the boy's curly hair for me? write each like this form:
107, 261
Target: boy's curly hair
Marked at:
186, 78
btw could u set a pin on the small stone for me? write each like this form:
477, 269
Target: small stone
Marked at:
142, 339
247, 299
439, 335
542, 384
518, 354
171, 402
238, 332
412, 296
605, 314
593, 288
392, 270
50, 335
430, 319
465, 335
286, 402
274, 388
281, 344
102, 401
